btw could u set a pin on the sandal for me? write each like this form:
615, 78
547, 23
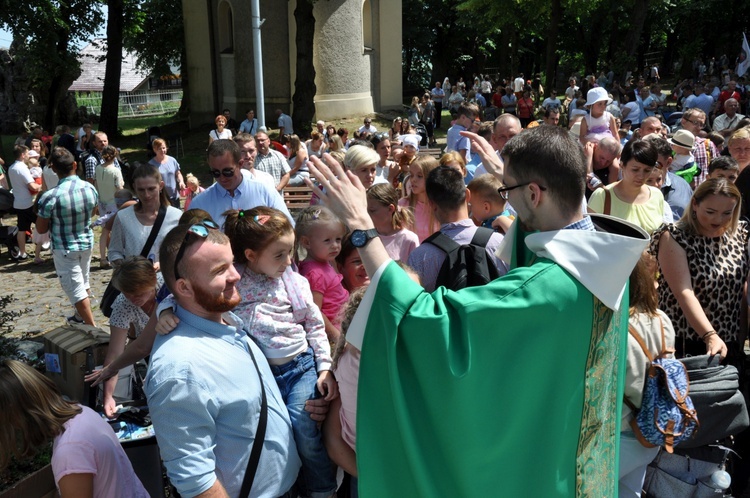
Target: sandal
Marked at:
38, 261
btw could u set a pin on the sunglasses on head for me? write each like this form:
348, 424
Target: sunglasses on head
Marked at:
201, 230
228, 172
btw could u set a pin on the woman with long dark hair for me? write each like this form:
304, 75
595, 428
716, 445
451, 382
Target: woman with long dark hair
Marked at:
87, 459
133, 225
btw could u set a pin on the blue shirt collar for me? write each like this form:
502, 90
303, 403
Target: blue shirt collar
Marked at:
227, 332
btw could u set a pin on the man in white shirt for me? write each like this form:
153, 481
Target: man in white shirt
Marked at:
726, 123
518, 86
367, 127
570, 92
24, 189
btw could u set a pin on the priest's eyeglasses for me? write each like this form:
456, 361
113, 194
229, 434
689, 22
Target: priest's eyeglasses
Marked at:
504, 191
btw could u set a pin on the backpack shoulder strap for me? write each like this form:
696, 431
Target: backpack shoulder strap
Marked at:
640, 342
482, 237
442, 242
664, 350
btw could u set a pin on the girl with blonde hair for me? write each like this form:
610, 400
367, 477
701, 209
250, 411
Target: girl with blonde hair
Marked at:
425, 223
391, 221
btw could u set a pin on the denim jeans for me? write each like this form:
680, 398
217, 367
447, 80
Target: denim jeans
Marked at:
297, 383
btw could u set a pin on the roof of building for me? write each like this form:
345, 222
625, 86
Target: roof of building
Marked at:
93, 65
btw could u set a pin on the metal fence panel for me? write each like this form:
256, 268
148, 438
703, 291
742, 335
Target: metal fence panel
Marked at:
146, 103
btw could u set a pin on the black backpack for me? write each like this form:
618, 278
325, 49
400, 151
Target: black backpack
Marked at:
465, 265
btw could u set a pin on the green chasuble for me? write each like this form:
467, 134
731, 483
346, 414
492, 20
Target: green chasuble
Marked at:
509, 389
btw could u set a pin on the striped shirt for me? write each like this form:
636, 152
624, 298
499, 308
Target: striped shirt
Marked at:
69, 207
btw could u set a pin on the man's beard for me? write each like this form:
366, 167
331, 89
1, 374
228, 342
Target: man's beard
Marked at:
215, 303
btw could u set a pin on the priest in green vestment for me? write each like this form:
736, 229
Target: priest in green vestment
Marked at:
509, 389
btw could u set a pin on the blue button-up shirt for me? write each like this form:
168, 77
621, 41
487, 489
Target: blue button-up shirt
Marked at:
69, 206
204, 396
249, 194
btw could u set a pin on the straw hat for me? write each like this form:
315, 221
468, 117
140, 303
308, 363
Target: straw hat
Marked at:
683, 138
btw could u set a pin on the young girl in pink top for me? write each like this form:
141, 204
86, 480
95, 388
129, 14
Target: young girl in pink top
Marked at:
425, 223
391, 220
319, 235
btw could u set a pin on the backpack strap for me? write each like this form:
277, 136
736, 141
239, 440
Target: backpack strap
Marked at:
607, 202
664, 350
442, 242
482, 237
641, 342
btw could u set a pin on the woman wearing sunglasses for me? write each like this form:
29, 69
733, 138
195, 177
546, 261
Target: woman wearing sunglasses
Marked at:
133, 225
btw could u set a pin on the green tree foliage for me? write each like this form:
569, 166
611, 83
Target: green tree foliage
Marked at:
46, 33
154, 31
562, 37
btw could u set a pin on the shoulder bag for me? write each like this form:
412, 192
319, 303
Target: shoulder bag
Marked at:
260, 436
111, 293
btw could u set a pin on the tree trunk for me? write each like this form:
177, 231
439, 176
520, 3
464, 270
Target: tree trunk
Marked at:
503, 64
184, 110
62, 78
304, 83
551, 51
637, 20
111, 93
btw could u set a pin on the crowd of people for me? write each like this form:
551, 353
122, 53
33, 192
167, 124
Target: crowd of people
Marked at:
258, 323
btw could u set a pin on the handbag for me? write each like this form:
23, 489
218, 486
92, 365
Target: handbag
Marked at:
715, 391
697, 475
111, 293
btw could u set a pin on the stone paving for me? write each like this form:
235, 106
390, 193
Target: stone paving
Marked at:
36, 287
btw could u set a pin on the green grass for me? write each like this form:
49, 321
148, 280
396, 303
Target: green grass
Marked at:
135, 126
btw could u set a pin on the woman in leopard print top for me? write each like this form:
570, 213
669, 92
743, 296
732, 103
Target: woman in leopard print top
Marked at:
703, 264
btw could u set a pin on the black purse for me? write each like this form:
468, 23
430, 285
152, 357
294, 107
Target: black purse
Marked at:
111, 293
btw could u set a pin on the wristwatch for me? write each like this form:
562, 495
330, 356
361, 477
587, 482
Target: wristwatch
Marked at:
360, 238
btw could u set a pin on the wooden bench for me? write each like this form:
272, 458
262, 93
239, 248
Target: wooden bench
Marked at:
436, 153
297, 197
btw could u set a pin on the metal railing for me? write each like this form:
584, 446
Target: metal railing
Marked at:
146, 103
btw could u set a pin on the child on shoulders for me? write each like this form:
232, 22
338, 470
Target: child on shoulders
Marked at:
598, 123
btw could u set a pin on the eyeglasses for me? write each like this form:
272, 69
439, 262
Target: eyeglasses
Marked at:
503, 191
201, 230
228, 172
699, 124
